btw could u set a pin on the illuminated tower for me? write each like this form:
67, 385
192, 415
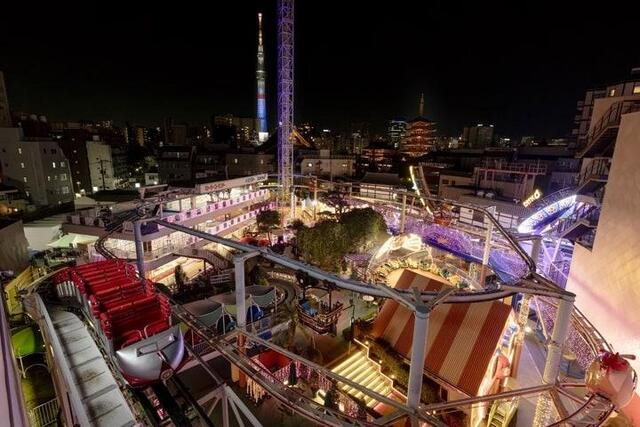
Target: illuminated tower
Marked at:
285, 99
261, 105
420, 136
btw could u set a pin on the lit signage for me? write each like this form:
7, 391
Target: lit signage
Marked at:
532, 198
223, 185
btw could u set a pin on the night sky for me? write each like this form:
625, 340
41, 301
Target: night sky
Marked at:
521, 67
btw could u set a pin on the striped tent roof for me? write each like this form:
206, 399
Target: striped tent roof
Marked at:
462, 338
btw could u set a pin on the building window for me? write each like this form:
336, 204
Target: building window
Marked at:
61, 164
44, 150
65, 190
19, 150
53, 151
636, 89
445, 182
261, 162
309, 165
63, 177
27, 194
48, 177
21, 165
53, 164
24, 178
235, 161
612, 92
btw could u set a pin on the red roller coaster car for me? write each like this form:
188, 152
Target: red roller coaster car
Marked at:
132, 320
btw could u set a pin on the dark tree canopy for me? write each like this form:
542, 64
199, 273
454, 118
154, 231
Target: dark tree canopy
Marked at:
338, 201
327, 243
267, 221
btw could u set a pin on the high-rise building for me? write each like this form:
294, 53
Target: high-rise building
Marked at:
601, 105
478, 136
229, 129
359, 137
605, 269
5, 114
261, 101
37, 167
396, 131
174, 134
420, 136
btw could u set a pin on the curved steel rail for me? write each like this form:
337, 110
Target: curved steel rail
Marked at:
533, 283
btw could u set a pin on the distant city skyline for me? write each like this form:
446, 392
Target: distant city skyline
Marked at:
353, 64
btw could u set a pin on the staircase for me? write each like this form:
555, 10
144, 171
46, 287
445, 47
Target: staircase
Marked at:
502, 413
360, 369
209, 256
604, 132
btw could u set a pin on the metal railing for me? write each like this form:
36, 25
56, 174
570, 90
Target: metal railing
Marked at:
611, 118
38, 311
45, 414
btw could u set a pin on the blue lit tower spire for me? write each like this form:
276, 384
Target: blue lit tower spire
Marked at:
260, 78
285, 99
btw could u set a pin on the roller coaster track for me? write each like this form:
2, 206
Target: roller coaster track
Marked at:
592, 412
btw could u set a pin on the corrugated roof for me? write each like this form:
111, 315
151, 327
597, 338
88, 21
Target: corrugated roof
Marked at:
462, 338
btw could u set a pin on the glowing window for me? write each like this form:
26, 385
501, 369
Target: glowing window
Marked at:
20, 149
612, 92
24, 178
636, 89
53, 164
309, 164
22, 165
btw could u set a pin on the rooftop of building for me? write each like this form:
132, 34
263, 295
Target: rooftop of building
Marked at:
115, 195
381, 178
420, 119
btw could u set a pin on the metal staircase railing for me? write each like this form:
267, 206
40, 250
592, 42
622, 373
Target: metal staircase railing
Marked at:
610, 119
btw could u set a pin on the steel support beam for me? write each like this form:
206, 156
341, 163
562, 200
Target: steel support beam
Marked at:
137, 234
403, 213
554, 357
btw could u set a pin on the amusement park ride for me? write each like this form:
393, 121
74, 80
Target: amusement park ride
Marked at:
140, 328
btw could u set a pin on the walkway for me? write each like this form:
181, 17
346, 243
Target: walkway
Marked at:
360, 369
101, 397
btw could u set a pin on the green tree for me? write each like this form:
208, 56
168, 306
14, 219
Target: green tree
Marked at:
363, 227
331, 398
293, 374
338, 201
324, 244
296, 225
180, 277
267, 221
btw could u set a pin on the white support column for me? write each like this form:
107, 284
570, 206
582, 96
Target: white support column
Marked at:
315, 200
225, 411
536, 245
403, 213
487, 247
241, 306
241, 315
554, 357
418, 354
137, 234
